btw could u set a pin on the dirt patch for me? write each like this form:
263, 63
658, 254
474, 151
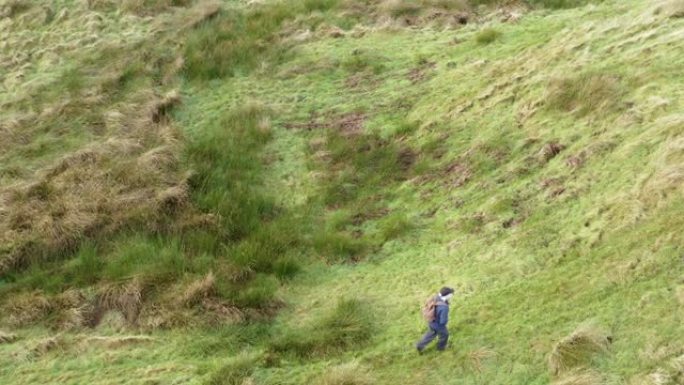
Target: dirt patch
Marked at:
550, 150
511, 222
361, 217
422, 72
407, 158
361, 81
348, 124
457, 174
576, 161
553, 186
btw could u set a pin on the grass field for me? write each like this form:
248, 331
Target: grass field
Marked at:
265, 193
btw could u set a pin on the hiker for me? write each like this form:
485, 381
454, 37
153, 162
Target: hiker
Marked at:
436, 313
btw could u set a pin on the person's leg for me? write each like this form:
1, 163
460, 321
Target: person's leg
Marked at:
427, 338
443, 334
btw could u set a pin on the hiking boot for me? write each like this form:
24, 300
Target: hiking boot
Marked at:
419, 350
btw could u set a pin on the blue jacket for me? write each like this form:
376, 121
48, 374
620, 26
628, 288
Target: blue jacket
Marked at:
441, 314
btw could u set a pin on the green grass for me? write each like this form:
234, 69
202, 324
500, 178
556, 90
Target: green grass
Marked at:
487, 36
328, 209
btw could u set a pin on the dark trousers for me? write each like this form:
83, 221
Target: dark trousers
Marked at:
435, 331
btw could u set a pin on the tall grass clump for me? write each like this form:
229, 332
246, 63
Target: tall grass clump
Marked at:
487, 36
585, 93
234, 372
259, 241
369, 159
361, 60
258, 293
394, 226
346, 374
577, 349
154, 258
87, 265
339, 246
224, 156
348, 325
239, 40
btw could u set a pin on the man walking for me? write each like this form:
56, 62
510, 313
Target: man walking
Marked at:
436, 313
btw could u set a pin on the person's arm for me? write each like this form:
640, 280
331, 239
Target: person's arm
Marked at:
443, 315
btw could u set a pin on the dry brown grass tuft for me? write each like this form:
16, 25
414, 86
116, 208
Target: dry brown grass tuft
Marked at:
585, 93
7, 338
198, 290
126, 299
26, 308
669, 171
550, 150
133, 175
579, 377
218, 312
151, 7
577, 349
346, 374
199, 13
478, 357
389, 13
154, 317
48, 345
673, 8
74, 310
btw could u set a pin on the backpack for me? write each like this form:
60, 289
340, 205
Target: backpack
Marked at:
429, 309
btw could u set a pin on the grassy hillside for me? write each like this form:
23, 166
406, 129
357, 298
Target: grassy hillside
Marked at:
265, 193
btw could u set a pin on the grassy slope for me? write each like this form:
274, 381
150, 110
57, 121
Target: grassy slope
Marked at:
607, 249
